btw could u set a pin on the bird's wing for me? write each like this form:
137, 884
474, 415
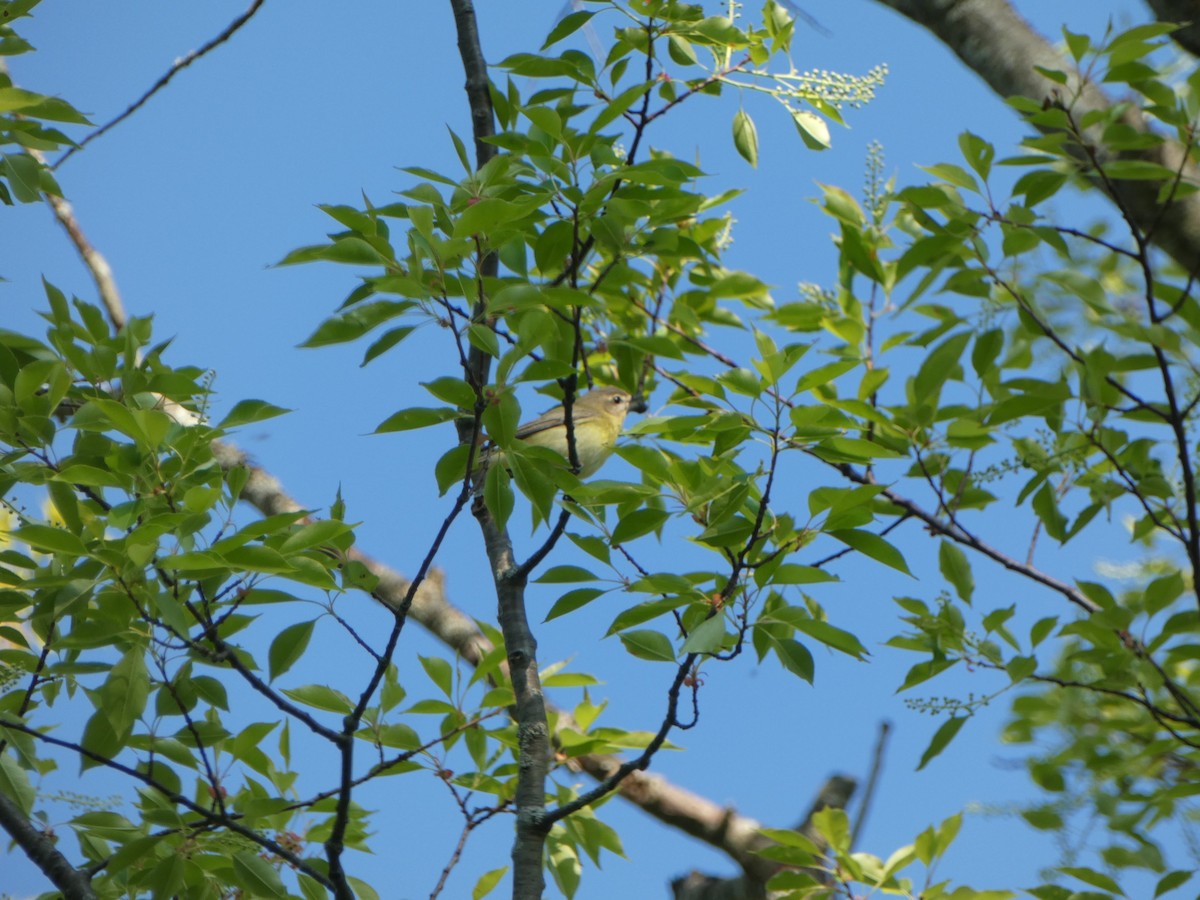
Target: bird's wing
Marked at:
548, 419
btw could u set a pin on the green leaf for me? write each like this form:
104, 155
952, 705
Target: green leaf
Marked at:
923, 671
248, 411
398, 736
14, 784
1021, 667
356, 321
619, 105
416, 417
100, 739
387, 341
794, 656
568, 24
498, 494
257, 877
49, 539
637, 523
314, 534
501, 418
1172, 880
491, 214
287, 647
793, 839
795, 573
977, 152
872, 545
652, 645
487, 882
451, 390
852, 450
939, 365
54, 109
1045, 504
1092, 877
707, 637
320, 696
831, 636
956, 569
834, 825
1161, 592
814, 131
24, 176
941, 738
439, 672
644, 612
124, 693
563, 862
212, 691
350, 250
573, 600
311, 888
167, 876
565, 575
13, 99
681, 51
745, 137
452, 467
90, 476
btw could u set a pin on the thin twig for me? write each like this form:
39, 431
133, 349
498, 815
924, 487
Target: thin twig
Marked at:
335, 845
224, 821
472, 819
179, 64
641, 762
885, 728
1160, 714
523, 570
382, 767
960, 535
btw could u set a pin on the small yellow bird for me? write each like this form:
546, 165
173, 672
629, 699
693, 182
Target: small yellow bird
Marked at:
596, 420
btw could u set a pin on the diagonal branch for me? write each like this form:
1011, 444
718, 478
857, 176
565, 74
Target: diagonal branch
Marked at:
957, 533
180, 64
209, 817
106, 284
695, 815
41, 849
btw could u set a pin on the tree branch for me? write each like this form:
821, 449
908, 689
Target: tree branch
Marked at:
960, 535
106, 284
478, 86
39, 847
674, 806
207, 816
182, 63
868, 795
750, 885
533, 730
1003, 49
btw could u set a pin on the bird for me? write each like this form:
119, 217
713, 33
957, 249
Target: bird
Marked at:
596, 421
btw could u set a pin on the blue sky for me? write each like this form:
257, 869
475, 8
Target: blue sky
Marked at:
217, 178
